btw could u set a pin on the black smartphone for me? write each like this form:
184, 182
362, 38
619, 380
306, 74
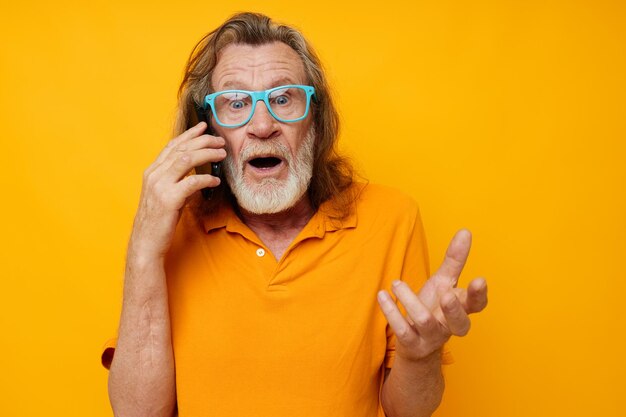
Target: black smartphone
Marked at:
213, 168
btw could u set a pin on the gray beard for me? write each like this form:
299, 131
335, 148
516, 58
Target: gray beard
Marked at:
271, 195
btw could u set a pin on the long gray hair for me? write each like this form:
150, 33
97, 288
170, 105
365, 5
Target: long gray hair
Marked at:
332, 173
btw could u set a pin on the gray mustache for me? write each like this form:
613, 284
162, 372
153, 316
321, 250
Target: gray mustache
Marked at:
265, 148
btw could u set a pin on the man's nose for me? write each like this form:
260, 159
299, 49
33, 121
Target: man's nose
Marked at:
262, 125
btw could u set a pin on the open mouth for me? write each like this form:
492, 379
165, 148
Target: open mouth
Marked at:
265, 162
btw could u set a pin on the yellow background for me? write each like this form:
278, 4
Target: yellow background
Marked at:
506, 117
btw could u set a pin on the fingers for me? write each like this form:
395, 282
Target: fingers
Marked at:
177, 161
425, 330
165, 181
173, 184
188, 134
424, 335
424, 322
404, 332
193, 183
457, 320
476, 296
184, 162
164, 190
455, 258
199, 142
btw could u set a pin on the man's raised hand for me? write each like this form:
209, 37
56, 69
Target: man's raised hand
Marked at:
166, 188
439, 310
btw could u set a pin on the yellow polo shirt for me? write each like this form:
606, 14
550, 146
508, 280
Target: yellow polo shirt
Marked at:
303, 336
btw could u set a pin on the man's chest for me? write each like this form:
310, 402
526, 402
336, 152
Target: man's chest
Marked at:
308, 324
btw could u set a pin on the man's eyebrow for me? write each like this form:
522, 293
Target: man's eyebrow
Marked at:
282, 81
233, 85
238, 85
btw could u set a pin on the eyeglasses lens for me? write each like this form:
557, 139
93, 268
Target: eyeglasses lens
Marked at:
234, 107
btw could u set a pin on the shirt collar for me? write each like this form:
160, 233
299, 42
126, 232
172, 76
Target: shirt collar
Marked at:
225, 216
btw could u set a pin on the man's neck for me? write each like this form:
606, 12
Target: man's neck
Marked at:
278, 230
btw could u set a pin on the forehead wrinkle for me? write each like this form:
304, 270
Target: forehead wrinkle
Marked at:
245, 78
277, 81
244, 67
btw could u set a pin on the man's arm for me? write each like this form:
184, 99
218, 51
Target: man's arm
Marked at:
413, 389
414, 386
142, 375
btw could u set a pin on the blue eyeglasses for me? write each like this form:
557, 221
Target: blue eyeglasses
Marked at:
234, 108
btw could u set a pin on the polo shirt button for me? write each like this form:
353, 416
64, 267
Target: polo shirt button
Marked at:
260, 252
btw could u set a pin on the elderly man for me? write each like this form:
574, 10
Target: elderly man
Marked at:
266, 296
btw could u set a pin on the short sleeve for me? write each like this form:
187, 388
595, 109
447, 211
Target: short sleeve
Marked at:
108, 350
415, 272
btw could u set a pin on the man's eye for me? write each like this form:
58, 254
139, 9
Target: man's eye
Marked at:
282, 100
236, 105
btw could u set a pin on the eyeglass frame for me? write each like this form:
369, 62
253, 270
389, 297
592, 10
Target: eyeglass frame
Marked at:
257, 96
